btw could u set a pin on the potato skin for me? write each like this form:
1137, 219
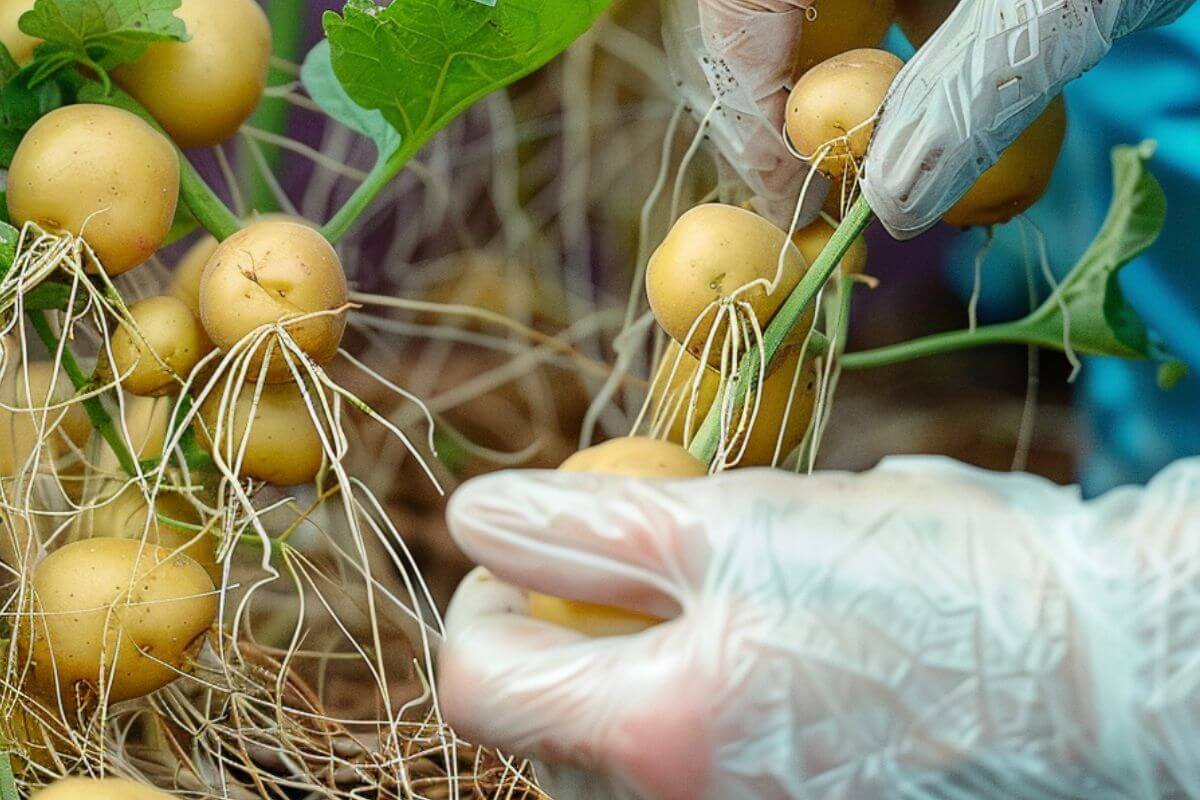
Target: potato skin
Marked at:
636, 457
166, 332
920, 19
122, 512
811, 241
675, 392
20, 44
835, 97
98, 603
19, 429
202, 90
100, 171
284, 448
712, 251
840, 26
266, 273
98, 789
1019, 179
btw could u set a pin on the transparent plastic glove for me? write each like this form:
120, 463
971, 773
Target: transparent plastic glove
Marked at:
986, 74
925, 630
733, 62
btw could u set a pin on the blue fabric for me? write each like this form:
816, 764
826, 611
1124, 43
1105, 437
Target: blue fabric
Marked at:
1148, 88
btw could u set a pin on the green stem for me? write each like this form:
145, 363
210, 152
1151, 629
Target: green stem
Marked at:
708, 438
1007, 333
377, 180
8, 783
287, 19
101, 421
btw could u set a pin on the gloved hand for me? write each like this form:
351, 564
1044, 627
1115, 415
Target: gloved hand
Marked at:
987, 73
925, 630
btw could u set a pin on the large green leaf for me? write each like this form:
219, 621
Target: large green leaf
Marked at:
1089, 302
421, 63
327, 91
100, 33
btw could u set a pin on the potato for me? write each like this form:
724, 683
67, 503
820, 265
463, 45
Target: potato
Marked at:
146, 421
834, 104
674, 394
35, 736
267, 273
122, 512
1019, 179
284, 446
841, 26
812, 240
486, 281
635, 457
920, 19
162, 349
20, 44
185, 282
710, 253
102, 607
99, 172
202, 90
20, 429
98, 789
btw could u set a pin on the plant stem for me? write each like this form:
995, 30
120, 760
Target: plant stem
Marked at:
101, 420
1006, 333
381, 175
708, 438
287, 18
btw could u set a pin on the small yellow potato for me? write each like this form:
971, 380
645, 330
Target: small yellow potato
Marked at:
20, 44
21, 429
159, 352
98, 789
185, 282
784, 412
115, 613
833, 106
712, 253
635, 457
1019, 179
122, 512
812, 240
841, 26
284, 446
146, 420
202, 90
270, 272
99, 172
920, 19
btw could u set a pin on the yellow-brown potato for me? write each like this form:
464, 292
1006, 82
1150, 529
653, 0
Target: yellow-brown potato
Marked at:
25, 392
102, 607
833, 105
202, 90
185, 281
98, 789
784, 412
284, 446
270, 272
920, 19
121, 512
635, 457
840, 26
159, 351
99, 172
811, 241
146, 420
711, 253
1019, 178
20, 44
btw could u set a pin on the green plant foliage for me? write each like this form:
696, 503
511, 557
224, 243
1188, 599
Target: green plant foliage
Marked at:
327, 91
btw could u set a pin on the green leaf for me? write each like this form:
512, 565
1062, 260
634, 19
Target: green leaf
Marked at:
22, 103
8, 66
48, 296
100, 33
1097, 315
423, 62
327, 91
8, 246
